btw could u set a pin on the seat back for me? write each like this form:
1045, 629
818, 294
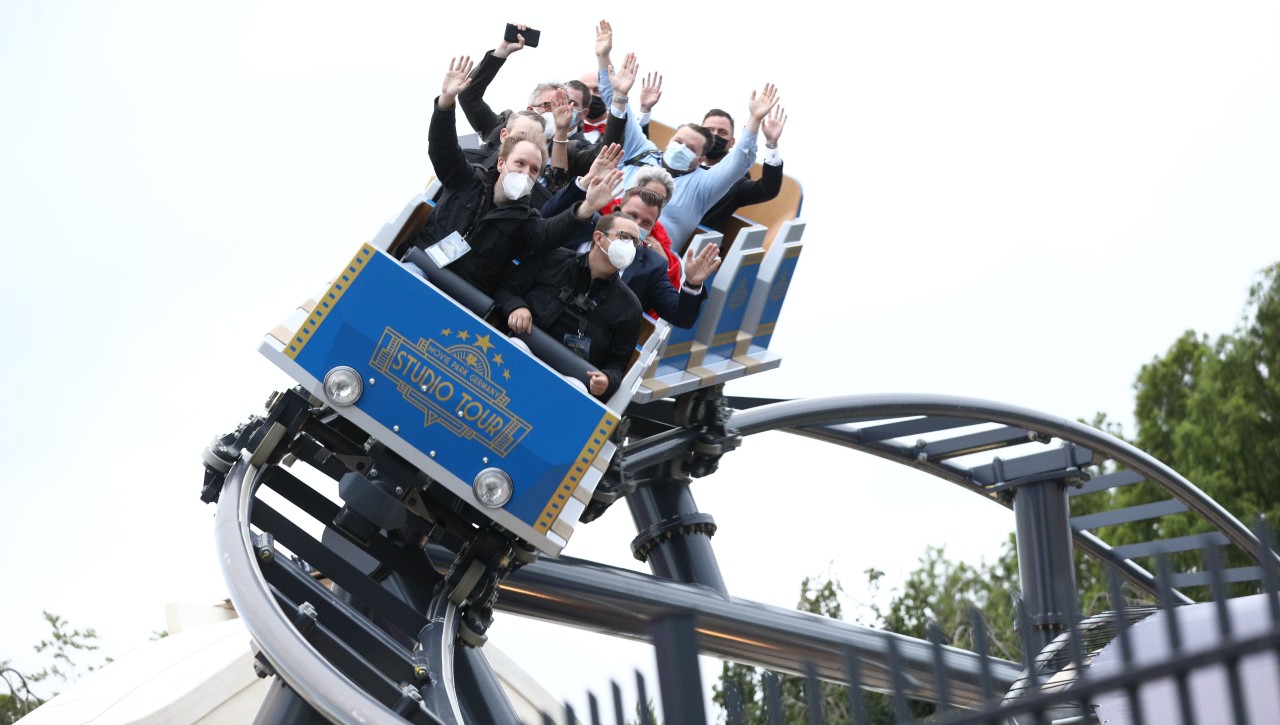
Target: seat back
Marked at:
721, 323
400, 230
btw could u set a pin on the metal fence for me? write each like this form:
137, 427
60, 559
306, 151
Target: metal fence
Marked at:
1209, 663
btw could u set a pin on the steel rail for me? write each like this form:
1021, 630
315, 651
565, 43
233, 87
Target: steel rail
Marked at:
312, 677
1086, 540
840, 410
623, 603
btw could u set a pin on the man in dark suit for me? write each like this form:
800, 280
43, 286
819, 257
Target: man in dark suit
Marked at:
746, 191
647, 275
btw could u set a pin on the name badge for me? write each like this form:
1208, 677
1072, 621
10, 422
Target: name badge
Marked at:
579, 345
448, 250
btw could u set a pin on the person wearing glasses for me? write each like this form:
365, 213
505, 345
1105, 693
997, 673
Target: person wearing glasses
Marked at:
579, 299
562, 106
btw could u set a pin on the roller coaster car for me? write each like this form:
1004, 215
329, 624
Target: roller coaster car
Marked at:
435, 383
404, 356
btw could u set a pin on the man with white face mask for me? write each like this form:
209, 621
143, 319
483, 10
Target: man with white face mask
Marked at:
580, 300
650, 275
489, 209
697, 189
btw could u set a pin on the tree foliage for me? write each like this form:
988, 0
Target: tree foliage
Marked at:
1210, 409
938, 590
66, 647
17, 699
820, 598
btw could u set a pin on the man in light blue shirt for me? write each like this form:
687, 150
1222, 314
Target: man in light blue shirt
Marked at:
697, 189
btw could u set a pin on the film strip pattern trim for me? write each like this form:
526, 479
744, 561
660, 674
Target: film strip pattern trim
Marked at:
330, 298
580, 467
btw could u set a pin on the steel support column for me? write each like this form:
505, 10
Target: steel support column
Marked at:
1046, 567
674, 537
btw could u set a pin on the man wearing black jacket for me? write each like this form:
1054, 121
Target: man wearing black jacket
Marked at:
647, 276
544, 100
579, 300
489, 208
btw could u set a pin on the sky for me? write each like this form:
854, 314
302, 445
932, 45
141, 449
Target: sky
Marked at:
1022, 202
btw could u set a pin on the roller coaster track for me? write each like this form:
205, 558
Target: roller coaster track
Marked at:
383, 644
955, 439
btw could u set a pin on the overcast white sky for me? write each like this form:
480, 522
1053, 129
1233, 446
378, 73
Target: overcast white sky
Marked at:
1016, 201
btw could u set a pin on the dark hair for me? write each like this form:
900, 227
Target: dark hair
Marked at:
708, 137
608, 220
648, 196
717, 113
582, 88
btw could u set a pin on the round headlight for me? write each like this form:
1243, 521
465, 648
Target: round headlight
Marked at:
492, 487
342, 385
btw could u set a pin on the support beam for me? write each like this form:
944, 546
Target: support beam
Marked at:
674, 537
1045, 564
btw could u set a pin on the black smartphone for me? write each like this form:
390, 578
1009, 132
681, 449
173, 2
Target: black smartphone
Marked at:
531, 36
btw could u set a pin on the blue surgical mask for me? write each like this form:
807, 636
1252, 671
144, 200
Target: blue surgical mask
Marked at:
678, 157
573, 119
644, 233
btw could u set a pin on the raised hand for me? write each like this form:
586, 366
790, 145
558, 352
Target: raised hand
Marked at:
698, 267
562, 112
625, 77
771, 127
606, 160
456, 80
604, 39
650, 92
762, 102
599, 193
505, 47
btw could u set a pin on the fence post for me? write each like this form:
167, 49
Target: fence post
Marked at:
675, 644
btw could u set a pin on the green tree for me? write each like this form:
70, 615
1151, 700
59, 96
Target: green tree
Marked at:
938, 591
65, 642
821, 598
17, 699
64, 647
1210, 409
